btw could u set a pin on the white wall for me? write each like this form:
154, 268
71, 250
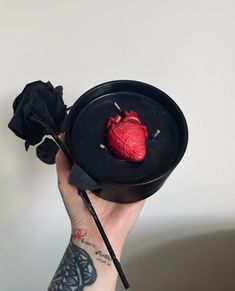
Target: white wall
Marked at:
186, 48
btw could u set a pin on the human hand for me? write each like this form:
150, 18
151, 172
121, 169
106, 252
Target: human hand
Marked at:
117, 219
95, 265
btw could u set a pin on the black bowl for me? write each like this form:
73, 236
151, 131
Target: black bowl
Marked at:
124, 181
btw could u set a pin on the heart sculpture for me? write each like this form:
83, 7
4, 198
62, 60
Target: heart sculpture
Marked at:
126, 137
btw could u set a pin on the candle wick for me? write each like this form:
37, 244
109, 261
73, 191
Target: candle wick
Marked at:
103, 147
157, 132
117, 106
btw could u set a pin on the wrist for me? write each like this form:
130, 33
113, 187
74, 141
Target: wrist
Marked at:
91, 240
95, 247
82, 232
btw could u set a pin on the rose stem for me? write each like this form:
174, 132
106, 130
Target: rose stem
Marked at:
105, 239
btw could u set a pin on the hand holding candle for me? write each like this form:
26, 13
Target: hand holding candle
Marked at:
40, 112
117, 220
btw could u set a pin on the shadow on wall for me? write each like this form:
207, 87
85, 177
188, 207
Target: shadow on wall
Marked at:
200, 263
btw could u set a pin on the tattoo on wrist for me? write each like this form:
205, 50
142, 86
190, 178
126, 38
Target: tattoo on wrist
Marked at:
79, 235
75, 271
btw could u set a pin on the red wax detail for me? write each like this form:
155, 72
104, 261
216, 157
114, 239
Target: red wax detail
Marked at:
126, 137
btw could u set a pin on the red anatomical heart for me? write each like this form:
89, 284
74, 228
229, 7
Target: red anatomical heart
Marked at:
126, 137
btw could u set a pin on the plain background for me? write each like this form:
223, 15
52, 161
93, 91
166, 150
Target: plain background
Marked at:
184, 239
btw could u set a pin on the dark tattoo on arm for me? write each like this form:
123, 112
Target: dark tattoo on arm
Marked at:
75, 271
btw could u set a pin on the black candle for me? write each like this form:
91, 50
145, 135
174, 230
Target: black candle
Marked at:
124, 181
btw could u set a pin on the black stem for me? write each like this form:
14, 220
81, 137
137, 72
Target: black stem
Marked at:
117, 264
63, 147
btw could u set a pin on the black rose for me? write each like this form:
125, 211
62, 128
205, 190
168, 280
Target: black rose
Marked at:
38, 110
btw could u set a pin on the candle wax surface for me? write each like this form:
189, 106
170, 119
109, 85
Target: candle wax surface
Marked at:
89, 131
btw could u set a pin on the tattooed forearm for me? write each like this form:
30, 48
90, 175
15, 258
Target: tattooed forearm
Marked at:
75, 271
79, 235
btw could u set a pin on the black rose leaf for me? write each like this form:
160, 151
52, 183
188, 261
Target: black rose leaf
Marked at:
47, 151
39, 110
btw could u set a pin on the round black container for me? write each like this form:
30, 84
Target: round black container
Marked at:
123, 181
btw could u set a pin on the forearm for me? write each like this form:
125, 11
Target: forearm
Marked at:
86, 265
